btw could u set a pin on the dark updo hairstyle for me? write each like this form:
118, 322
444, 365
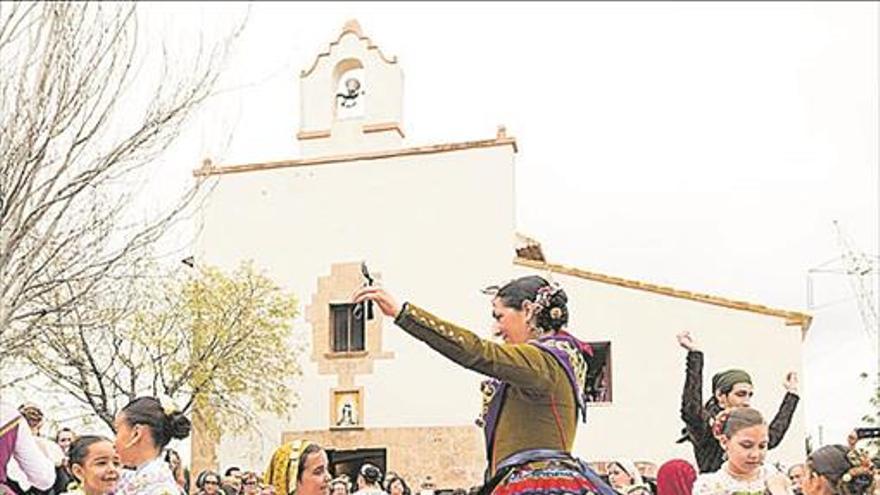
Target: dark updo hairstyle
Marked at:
371, 474
550, 317
847, 472
310, 449
148, 411
79, 448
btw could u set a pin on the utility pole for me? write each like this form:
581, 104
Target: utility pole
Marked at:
860, 270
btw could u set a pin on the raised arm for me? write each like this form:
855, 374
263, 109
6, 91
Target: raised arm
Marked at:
522, 365
782, 420
692, 395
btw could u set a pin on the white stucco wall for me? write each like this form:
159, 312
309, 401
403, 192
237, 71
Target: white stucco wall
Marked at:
437, 227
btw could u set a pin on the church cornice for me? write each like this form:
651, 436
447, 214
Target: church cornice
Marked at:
351, 27
367, 128
208, 168
792, 318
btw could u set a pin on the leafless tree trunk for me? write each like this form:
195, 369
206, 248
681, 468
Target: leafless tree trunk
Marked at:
77, 129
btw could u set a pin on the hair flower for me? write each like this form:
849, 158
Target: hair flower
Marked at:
168, 405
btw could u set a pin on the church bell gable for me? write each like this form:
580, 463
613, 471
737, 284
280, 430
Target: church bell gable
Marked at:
351, 98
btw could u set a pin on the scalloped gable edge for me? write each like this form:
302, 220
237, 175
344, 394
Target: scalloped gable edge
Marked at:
346, 30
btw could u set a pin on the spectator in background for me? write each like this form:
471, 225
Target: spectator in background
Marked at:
250, 483
17, 443
208, 483
624, 477
796, 475
676, 477
428, 486
340, 485
369, 480
64, 438
231, 485
172, 458
233, 471
396, 485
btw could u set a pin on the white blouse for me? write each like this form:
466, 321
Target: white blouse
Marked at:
722, 483
151, 478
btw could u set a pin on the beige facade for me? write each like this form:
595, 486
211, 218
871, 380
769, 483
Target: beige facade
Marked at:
436, 224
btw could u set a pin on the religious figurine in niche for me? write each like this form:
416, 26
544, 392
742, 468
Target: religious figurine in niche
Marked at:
347, 415
352, 92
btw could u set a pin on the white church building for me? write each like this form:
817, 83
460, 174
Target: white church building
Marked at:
436, 224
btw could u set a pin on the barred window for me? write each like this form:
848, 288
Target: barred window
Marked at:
348, 330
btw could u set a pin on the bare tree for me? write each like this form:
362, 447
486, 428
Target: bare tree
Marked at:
77, 130
206, 338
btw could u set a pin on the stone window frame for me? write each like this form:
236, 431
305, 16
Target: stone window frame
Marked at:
333, 288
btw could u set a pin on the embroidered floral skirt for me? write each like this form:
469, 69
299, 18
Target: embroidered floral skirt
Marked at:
546, 477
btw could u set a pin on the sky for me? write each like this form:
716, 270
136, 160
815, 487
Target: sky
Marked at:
704, 146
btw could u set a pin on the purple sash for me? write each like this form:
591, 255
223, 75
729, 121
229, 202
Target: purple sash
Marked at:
567, 351
489, 419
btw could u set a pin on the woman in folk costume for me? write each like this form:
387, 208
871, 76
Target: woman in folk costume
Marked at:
17, 442
299, 467
143, 428
536, 391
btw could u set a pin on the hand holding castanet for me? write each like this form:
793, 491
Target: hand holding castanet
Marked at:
378, 295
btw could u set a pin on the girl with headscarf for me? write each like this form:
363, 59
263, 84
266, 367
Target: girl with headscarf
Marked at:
676, 477
299, 467
838, 470
536, 389
625, 478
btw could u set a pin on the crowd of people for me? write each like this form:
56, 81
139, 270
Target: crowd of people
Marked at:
534, 396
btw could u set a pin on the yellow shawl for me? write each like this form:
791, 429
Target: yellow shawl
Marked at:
282, 470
